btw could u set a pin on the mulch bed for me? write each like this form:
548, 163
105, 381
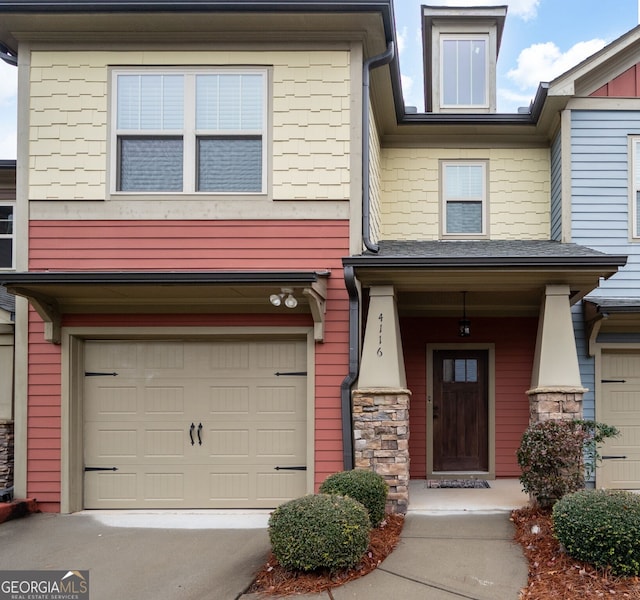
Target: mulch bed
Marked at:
273, 579
553, 575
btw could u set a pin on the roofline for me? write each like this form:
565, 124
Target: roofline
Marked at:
602, 306
7, 164
161, 277
172, 6
488, 262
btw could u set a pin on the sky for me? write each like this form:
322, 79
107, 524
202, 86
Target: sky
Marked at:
542, 39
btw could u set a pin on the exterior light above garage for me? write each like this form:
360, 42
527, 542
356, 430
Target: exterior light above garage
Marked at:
290, 300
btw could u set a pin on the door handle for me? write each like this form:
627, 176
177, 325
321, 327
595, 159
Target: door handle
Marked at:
199, 430
191, 433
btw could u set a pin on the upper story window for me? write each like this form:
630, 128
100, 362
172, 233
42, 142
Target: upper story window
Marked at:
189, 131
464, 198
6, 236
464, 71
635, 187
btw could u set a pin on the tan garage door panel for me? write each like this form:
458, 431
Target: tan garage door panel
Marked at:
620, 406
194, 424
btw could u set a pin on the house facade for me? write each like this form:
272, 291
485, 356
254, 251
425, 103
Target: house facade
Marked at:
596, 204
242, 264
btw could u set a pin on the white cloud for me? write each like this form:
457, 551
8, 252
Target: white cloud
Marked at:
402, 39
8, 143
525, 9
9, 78
544, 62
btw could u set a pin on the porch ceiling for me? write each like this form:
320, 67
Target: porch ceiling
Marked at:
54, 294
500, 277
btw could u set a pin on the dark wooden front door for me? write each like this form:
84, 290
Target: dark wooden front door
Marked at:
460, 410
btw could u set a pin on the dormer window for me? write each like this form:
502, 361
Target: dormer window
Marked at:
460, 54
464, 73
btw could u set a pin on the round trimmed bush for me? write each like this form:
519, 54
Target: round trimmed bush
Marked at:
321, 531
601, 527
367, 487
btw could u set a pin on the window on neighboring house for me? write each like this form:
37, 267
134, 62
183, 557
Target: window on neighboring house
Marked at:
464, 197
190, 131
6, 236
464, 71
635, 186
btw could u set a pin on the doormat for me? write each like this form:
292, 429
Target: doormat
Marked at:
458, 483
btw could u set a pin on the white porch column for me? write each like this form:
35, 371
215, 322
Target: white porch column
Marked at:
556, 390
382, 364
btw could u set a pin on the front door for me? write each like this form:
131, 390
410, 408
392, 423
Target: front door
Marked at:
460, 410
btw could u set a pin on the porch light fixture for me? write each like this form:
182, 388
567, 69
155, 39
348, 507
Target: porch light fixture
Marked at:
464, 325
286, 296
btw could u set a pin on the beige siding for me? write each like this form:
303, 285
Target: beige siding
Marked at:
375, 178
310, 116
518, 192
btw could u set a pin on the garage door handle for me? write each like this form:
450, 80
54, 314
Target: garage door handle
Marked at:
612, 457
199, 430
191, 433
290, 468
101, 468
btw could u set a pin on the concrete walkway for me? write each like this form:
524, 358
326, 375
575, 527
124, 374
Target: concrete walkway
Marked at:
456, 544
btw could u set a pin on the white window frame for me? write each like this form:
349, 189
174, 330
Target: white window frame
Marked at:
10, 236
483, 199
444, 37
634, 186
189, 133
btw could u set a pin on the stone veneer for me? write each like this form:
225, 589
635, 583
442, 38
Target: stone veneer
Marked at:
381, 439
555, 403
6, 454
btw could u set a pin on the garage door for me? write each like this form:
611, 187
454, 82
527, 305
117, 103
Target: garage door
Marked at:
620, 406
173, 424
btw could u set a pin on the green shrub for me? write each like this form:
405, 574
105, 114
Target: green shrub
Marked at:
601, 527
367, 487
551, 458
322, 531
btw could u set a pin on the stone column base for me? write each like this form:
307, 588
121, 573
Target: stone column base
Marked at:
6, 454
555, 403
381, 440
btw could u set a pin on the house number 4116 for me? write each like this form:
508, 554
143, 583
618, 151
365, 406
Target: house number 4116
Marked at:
379, 352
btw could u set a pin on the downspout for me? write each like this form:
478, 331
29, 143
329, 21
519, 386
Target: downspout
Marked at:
9, 56
349, 274
354, 363
372, 63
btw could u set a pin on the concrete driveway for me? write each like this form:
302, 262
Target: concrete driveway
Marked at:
152, 560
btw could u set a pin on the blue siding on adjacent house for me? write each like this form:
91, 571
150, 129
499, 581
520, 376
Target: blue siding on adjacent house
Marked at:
600, 213
556, 189
600, 193
586, 362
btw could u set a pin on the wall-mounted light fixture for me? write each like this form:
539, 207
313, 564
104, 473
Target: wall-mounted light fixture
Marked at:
464, 325
285, 296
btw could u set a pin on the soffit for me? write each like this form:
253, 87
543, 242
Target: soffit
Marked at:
210, 27
57, 294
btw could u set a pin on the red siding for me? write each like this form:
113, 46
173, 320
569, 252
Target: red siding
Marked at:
186, 245
514, 362
625, 85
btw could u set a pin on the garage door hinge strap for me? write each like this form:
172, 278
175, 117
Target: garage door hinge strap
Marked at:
294, 374
94, 374
612, 457
101, 468
614, 381
290, 468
